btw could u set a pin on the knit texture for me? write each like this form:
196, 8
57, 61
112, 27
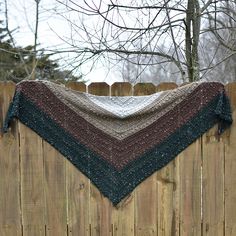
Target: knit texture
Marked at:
117, 142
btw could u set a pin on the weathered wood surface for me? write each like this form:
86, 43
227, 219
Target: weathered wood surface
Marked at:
78, 194
190, 190
230, 169
146, 192
10, 205
41, 193
167, 191
32, 182
123, 216
100, 207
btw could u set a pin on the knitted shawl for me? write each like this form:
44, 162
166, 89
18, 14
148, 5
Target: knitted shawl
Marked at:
117, 142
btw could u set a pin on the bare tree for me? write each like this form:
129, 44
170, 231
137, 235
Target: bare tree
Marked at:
145, 33
29, 61
9, 33
161, 38
30, 71
153, 73
34, 64
218, 48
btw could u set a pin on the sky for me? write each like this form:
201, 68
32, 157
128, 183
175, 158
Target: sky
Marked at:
52, 28
54, 32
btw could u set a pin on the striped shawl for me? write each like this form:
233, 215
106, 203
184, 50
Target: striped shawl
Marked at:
117, 142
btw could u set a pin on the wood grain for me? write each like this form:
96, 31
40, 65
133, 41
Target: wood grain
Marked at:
230, 168
144, 89
100, 207
10, 218
101, 89
166, 214
55, 191
78, 193
121, 89
32, 182
190, 188
166, 86
168, 191
146, 192
213, 184
78, 86
123, 215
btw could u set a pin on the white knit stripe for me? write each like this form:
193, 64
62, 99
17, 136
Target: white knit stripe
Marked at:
123, 107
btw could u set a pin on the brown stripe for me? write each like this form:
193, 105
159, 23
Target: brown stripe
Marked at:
120, 128
117, 152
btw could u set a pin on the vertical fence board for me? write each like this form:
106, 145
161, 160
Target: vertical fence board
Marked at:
78, 193
190, 175
78, 86
190, 188
166, 86
123, 215
166, 220
144, 89
100, 213
213, 184
175, 221
55, 191
100, 207
123, 218
168, 191
145, 213
32, 182
230, 168
10, 219
121, 89
101, 89
78, 202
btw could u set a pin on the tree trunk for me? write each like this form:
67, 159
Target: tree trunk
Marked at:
192, 39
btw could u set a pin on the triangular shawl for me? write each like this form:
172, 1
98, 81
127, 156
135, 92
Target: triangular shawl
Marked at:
117, 142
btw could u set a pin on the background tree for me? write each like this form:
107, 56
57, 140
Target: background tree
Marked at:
161, 40
18, 63
220, 43
149, 34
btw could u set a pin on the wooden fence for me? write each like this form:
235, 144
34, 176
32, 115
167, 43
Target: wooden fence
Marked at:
41, 193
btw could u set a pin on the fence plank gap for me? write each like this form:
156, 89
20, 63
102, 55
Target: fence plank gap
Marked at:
190, 175
123, 216
10, 218
32, 182
146, 192
55, 191
167, 191
78, 194
230, 168
100, 214
213, 184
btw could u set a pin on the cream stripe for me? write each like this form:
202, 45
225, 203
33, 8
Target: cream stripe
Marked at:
123, 107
